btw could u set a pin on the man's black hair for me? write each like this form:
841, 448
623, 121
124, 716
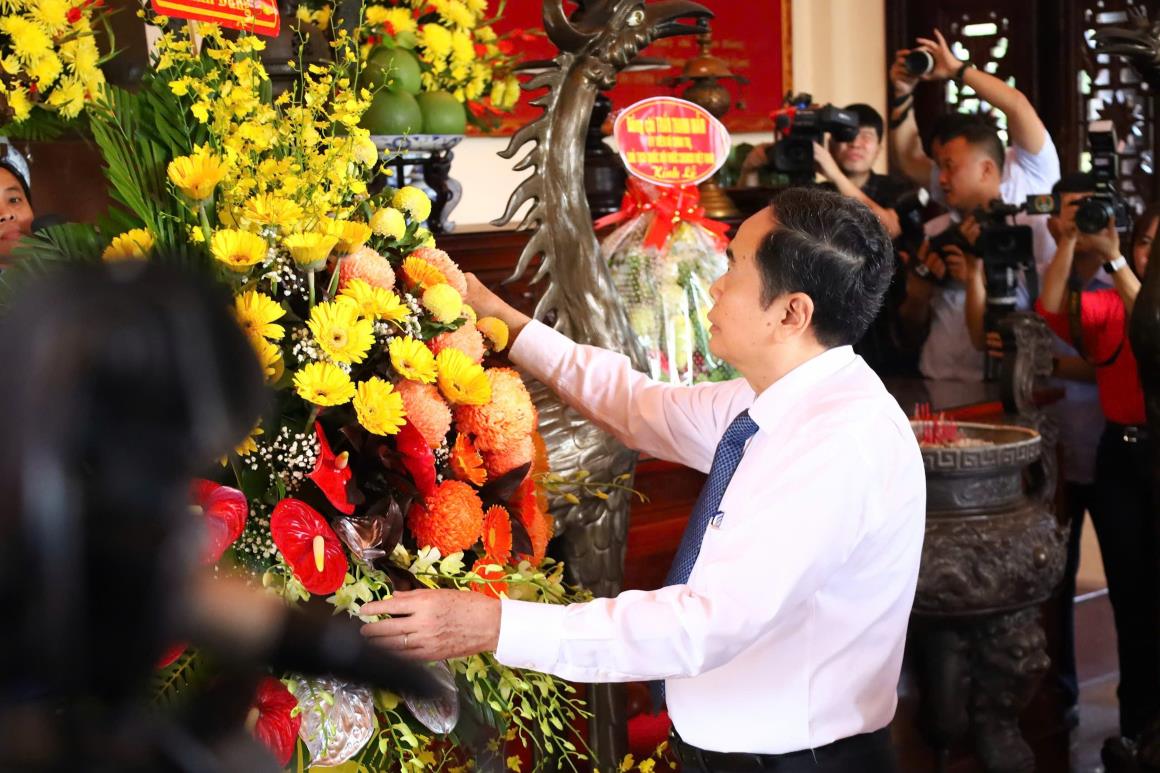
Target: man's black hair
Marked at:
11, 168
833, 249
867, 116
977, 130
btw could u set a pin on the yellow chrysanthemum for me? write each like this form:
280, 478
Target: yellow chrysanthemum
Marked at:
495, 330
324, 384
197, 175
29, 40
457, 13
341, 331
412, 359
421, 273
399, 19
19, 103
462, 381
268, 209
375, 302
134, 244
256, 314
412, 200
310, 250
389, 222
379, 407
270, 358
238, 249
424, 237
444, 302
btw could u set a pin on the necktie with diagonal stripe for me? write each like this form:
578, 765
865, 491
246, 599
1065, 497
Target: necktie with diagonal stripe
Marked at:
725, 460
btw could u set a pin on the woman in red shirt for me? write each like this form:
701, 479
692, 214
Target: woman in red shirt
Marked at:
1096, 323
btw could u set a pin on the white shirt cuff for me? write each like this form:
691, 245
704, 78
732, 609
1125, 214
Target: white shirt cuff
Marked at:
529, 634
537, 345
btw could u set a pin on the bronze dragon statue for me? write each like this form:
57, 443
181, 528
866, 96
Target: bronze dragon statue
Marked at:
595, 43
1139, 43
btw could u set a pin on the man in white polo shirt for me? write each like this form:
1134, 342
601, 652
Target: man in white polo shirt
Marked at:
780, 632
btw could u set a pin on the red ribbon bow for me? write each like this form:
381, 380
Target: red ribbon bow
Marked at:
669, 206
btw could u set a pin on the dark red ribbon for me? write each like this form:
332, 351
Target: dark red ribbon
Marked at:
669, 206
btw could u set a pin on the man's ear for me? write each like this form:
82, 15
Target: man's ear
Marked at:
797, 315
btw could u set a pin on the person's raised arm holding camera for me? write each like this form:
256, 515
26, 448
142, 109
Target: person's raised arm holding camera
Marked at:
1033, 164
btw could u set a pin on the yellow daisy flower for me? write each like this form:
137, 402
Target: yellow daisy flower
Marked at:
310, 250
256, 314
375, 302
379, 407
351, 234
250, 444
444, 302
324, 384
270, 358
412, 359
134, 244
409, 198
389, 222
420, 272
268, 209
341, 331
462, 381
197, 175
238, 249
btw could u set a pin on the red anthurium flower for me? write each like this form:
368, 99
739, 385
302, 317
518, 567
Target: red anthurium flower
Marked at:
417, 458
310, 546
225, 510
170, 655
272, 721
332, 473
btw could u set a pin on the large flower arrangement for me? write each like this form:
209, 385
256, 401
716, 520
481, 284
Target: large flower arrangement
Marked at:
49, 60
457, 48
394, 458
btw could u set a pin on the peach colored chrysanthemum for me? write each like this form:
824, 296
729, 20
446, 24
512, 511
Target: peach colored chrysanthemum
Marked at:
452, 519
367, 265
442, 261
516, 453
426, 410
466, 462
509, 416
466, 339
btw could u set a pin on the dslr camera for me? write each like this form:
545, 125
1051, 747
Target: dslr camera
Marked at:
798, 125
1092, 212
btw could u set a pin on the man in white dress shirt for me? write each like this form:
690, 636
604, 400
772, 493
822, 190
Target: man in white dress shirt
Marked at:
780, 634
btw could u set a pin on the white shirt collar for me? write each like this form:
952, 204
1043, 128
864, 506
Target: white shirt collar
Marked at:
780, 397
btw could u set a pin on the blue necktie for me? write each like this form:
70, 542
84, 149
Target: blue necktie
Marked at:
725, 460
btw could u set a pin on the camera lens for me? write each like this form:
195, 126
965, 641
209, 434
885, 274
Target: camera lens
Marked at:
1091, 215
918, 62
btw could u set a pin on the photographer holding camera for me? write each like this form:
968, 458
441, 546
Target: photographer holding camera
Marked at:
936, 310
848, 165
1123, 515
1031, 164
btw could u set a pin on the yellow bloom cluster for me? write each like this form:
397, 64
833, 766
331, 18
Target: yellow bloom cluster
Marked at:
290, 164
48, 57
458, 52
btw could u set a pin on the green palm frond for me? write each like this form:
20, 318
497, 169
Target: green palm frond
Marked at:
47, 251
136, 163
172, 684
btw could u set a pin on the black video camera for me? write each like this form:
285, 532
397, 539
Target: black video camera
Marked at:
798, 126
